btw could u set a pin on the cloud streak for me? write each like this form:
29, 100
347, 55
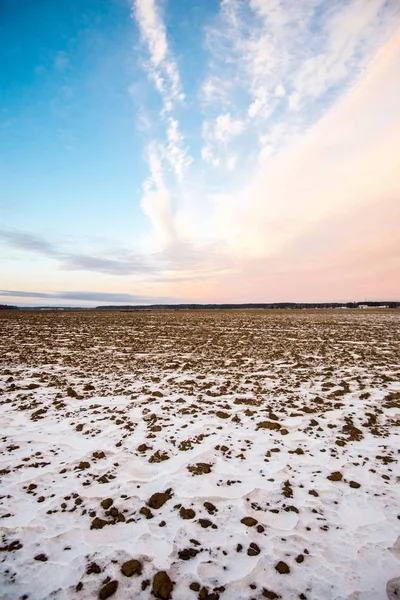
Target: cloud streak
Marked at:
180, 261
161, 68
279, 65
171, 155
122, 265
84, 296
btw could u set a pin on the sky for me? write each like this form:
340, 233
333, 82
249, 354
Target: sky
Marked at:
167, 151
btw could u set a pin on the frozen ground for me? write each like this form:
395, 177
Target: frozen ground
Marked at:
288, 420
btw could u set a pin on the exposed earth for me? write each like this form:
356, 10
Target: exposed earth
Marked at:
199, 454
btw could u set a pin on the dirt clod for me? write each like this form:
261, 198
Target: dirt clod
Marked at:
158, 499
162, 585
131, 567
282, 568
108, 590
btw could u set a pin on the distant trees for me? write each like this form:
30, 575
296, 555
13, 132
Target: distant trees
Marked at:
258, 305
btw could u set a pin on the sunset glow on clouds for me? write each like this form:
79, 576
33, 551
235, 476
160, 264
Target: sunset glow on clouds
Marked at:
241, 151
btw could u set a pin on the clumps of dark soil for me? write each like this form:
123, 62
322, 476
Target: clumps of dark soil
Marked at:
287, 490
354, 484
194, 586
143, 448
106, 503
32, 386
200, 468
335, 476
247, 401
41, 557
88, 387
253, 549
11, 547
116, 515
270, 594
205, 523
113, 514
93, 568
204, 594
83, 465
185, 445
298, 451
210, 508
282, 568
373, 425
158, 457
108, 590
162, 585
249, 521
158, 499
392, 400
38, 414
386, 459
131, 567
105, 478
98, 523
222, 415
353, 433
268, 425
187, 513
187, 553
300, 558
292, 509
99, 455
146, 512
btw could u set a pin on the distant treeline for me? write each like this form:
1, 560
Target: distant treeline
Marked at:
275, 305
258, 305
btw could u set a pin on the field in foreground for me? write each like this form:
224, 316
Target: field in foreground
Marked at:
242, 454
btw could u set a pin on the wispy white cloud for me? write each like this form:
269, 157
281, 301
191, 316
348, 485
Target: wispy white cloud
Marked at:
176, 152
282, 63
226, 127
168, 155
347, 161
209, 156
163, 159
156, 200
214, 89
162, 69
352, 31
218, 133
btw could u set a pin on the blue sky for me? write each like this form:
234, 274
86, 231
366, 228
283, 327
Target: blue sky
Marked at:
68, 126
199, 150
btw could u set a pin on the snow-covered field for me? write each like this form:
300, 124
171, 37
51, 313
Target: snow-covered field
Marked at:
220, 454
